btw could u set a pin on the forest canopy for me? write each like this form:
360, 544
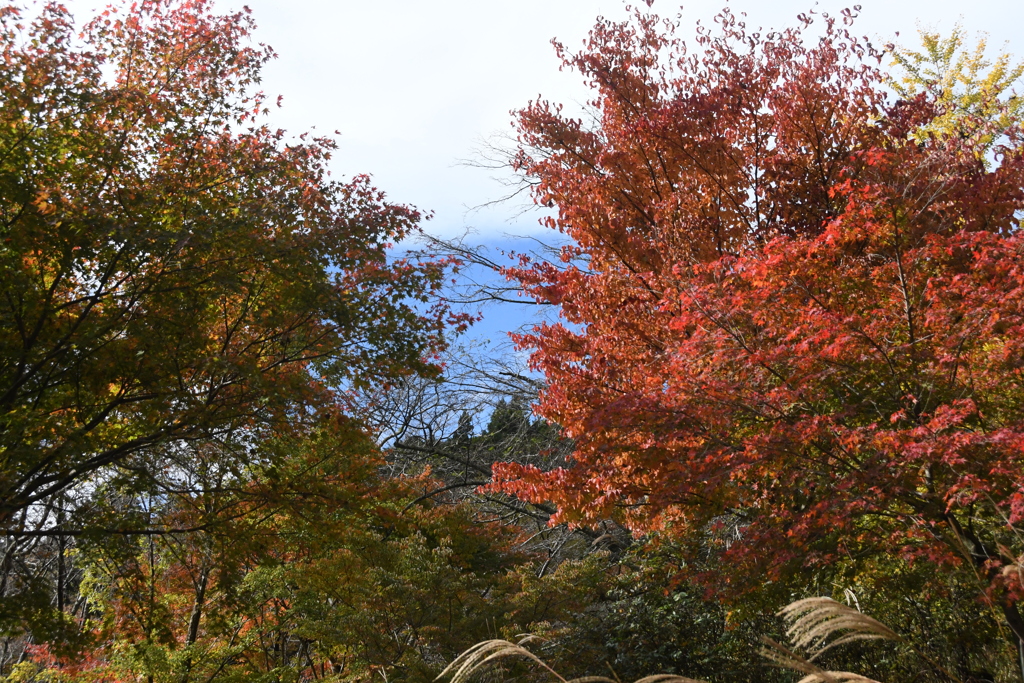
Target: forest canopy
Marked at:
240, 439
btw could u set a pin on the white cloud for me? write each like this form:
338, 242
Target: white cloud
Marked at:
412, 85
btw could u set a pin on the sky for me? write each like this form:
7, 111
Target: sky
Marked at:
414, 86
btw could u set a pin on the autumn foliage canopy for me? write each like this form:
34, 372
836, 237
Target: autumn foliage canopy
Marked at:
789, 361
174, 269
182, 287
793, 315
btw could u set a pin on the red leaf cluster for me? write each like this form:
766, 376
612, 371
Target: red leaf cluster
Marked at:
784, 313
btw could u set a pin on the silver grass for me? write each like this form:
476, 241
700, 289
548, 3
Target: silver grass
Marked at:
666, 678
784, 657
815, 625
482, 654
813, 621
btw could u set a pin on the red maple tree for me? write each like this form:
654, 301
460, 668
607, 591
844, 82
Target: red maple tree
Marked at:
786, 310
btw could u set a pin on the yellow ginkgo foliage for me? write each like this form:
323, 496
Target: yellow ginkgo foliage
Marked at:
976, 91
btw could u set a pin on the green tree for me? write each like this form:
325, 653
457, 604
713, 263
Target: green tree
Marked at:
179, 279
312, 567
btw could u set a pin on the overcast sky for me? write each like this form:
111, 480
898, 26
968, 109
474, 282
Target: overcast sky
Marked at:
414, 85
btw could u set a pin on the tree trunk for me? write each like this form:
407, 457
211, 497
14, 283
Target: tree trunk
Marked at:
1016, 623
195, 618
